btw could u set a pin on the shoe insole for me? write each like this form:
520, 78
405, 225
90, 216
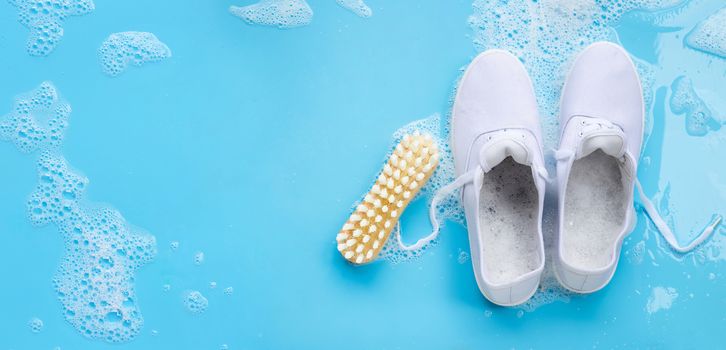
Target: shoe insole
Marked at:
595, 208
508, 204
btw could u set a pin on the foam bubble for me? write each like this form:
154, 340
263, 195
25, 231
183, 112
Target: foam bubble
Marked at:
94, 281
199, 258
279, 13
356, 6
195, 302
35, 324
174, 245
45, 20
684, 100
135, 48
661, 298
228, 291
38, 120
709, 36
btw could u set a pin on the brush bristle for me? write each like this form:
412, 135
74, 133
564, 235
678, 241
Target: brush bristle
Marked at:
411, 164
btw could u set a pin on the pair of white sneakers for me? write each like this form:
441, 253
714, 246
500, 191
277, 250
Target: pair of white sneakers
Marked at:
497, 147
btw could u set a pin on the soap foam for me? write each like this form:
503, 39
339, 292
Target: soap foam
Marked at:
38, 120
44, 19
709, 36
595, 208
508, 219
135, 48
195, 302
684, 100
279, 13
35, 324
661, 298
94, 281
356, 6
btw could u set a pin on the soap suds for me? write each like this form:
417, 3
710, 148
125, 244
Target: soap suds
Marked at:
709, 36
356, 6
95, 279
38, 120
595, 208
661, 298
195, 302
278, 13
699, 119
508, 220
45, 18
35, 324
135, 48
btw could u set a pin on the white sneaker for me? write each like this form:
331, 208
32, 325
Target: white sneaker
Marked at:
601, 120
497, 148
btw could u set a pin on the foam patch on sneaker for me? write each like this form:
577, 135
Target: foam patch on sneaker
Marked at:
356, 6
278, 13
685, 101
508, 219
95, 279
38, 120
44, 19
120, 50
709, 36
546, 35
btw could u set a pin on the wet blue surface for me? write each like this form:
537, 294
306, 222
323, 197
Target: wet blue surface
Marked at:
250, 144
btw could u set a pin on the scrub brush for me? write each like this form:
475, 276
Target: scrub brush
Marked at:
408, 168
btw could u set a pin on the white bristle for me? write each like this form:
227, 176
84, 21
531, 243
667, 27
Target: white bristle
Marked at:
384, 208
341, 237
359, 259
418, 161
368, 198
372, 229
377, 203
391, 199
411, 171
394, 213
406, 195
364, 223
351, 242
376, 189
341, 247
413, 185
370, 213
399, 204
362, 207
397, 174
376, 244
378, 218
388, 170
399, 149
405, 180
381, 234
402, 164
387, 224
420, 176
424, 151
384, 193
382, 179
394, 160
357, 232
359, 248
398, 189
369, 254
347, 227
390, 183
355, 217
366, 238
348, 254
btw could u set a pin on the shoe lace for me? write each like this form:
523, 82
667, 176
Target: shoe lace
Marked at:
564, 155
440, 195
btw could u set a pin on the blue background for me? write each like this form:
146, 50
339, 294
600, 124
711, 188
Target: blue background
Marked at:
250, 144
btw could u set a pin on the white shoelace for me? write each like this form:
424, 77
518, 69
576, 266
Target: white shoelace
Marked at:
560, 155
652, 212
442, 193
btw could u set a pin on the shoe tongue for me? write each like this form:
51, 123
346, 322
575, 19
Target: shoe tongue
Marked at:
497, 150
610, 144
